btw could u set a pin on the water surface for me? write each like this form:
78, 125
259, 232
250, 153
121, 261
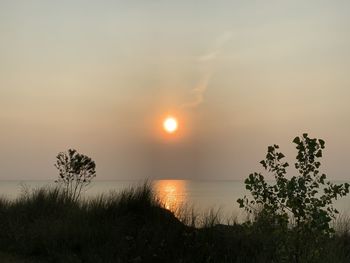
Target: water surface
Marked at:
202, 195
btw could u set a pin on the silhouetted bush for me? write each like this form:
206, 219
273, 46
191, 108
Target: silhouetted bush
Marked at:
76, 172
296, 210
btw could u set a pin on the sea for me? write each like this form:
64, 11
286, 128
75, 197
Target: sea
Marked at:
202, 196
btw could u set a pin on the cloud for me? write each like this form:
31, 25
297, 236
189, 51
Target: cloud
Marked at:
223, 39
208, 58
198, 93
219, 44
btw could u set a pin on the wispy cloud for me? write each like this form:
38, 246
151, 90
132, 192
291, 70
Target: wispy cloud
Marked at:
208, 59
219, 44
198, 93
209, 56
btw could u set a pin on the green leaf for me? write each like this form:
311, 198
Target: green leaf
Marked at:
319, 154
263, 164
322, 143
269, 156
280, 156
296, 140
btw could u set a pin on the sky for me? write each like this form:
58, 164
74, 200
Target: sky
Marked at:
99, 77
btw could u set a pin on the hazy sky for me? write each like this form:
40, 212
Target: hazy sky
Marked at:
99, 76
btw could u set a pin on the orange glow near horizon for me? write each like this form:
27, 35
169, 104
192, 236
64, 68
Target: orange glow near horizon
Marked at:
172, 193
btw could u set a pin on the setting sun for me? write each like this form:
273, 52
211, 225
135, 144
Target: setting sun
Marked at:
170, 124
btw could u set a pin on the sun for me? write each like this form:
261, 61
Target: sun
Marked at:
170, 124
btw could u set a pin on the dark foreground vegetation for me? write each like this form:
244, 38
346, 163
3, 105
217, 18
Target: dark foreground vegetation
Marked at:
291, 220
45, 226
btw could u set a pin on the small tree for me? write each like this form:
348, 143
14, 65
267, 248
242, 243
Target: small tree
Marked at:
76, 171
307, 197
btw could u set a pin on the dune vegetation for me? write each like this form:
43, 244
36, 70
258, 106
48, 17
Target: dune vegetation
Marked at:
292, 220
133, 226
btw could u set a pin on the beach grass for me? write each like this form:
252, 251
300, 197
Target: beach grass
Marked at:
43, 225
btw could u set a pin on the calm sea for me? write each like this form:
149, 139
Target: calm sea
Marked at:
202, 195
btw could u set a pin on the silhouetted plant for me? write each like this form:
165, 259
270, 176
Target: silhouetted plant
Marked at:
307, 197
76, 171
133, 226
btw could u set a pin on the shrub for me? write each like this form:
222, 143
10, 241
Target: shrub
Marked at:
76, 171
307, 197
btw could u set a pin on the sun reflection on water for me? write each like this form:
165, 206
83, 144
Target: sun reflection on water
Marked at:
172, 193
